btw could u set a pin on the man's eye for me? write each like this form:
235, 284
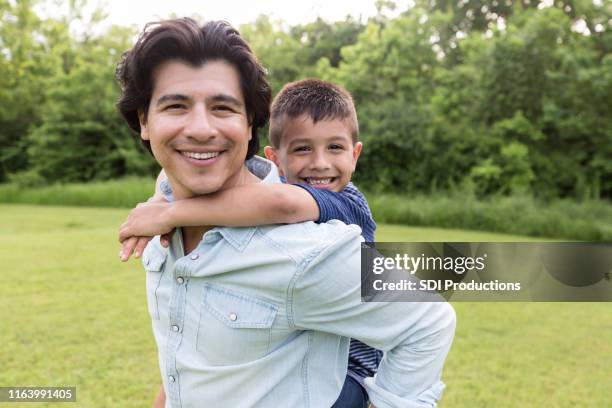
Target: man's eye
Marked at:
174, 106
224, 108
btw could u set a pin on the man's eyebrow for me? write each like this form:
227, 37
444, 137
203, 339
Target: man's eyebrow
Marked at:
227, 99
171, 98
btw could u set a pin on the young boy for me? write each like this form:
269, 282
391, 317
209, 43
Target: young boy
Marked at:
314, 137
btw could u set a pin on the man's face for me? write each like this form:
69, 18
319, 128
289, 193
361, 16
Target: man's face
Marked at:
322, 154
197, 126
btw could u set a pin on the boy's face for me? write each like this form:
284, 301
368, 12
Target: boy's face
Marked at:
322, 155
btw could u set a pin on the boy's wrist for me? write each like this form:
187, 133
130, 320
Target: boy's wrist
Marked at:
171, 214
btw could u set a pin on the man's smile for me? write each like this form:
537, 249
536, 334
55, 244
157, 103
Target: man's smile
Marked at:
201, 156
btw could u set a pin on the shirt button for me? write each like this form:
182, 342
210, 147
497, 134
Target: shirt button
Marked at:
171, 378
233, 317
194, 257
180, 280
175, 328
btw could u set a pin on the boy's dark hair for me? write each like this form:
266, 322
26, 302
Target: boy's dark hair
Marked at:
317, 99
183, 39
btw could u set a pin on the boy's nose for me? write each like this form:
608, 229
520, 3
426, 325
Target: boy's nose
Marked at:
320, 162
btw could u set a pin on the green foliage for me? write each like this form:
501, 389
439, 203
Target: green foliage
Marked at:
25, 66
491, 98
62, 122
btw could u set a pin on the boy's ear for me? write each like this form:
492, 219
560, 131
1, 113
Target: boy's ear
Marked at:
356, 152
272, 155
144, 131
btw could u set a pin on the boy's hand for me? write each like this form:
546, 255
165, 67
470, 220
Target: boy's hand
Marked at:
144, 222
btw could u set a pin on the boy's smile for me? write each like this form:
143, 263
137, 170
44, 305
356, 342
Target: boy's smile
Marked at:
320, 154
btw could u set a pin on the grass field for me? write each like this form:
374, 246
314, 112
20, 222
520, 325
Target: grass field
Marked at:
72, 315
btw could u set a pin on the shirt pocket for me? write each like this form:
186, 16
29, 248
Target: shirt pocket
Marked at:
153, 260
234, 327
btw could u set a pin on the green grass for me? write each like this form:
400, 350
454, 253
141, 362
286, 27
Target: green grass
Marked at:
73, 315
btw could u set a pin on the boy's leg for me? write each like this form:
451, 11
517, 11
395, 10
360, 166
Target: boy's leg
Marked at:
353, 395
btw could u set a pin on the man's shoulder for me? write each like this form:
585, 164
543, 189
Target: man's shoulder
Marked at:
306, 239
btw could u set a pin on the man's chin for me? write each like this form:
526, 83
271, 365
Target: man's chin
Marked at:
189, 190
204, 190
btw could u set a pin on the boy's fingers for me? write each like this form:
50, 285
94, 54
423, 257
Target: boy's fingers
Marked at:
165, 238
140, 246
127, 247
123, 232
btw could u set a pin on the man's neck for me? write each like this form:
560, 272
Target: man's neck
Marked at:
193, 235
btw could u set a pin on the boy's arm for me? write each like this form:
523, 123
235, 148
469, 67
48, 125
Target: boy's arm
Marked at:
136, 244
242, 206
349, 206
247, 205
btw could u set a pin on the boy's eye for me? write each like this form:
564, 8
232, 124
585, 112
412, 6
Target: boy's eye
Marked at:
301, 149
336, 147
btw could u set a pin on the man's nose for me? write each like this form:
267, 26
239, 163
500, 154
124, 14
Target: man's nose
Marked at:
200, 125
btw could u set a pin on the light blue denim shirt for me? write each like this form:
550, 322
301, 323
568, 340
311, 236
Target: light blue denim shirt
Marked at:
262, 317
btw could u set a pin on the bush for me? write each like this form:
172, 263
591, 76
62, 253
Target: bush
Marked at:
565, 219
125, 193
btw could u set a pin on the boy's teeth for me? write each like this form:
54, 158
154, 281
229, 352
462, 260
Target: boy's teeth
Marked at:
318, 181
200, 156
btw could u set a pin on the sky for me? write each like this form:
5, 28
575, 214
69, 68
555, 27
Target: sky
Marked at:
139, 12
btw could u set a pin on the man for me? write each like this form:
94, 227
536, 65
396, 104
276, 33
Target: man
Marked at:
255, 316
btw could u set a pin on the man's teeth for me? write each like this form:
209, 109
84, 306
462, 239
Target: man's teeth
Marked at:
318, 181
201, 156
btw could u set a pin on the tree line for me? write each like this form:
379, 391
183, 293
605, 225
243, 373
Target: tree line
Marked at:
484, 97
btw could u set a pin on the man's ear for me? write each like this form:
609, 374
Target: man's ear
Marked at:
144, 131
272, 155
356, 152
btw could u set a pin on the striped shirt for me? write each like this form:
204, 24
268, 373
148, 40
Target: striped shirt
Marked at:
350, 207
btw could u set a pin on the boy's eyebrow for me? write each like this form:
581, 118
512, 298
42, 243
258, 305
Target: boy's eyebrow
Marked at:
338, 137
309, 140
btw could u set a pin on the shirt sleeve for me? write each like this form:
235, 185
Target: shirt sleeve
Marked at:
349, 206
416, 336
166, 190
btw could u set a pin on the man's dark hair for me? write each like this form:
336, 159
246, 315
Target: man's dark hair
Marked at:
183, 39
317, 99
